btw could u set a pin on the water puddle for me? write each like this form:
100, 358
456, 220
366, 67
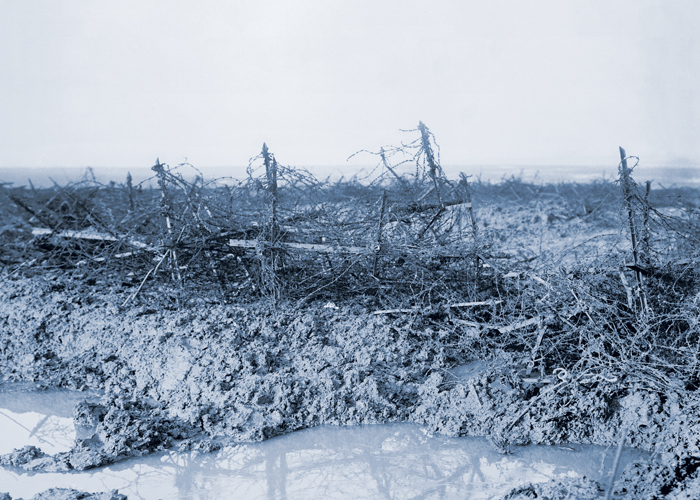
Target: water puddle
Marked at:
39, 418
391, 461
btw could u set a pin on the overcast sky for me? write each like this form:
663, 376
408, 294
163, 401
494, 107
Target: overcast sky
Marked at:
524, 82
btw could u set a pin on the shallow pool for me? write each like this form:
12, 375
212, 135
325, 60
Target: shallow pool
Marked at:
391, 461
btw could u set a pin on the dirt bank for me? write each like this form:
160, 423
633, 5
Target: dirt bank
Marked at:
70, 494
199, 375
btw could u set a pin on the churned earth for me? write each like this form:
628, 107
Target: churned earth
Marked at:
205, 374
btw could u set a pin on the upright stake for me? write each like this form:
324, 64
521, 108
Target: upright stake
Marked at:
378, 248
273, 187
430, 158
646, 248
627, 193
131, 191
271, 171
626, 183
425, 139
174, 267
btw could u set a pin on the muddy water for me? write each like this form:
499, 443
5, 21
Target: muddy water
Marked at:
391, 461
39, 418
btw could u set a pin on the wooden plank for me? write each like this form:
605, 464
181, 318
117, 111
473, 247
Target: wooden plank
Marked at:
461, 304
84, 234
308, 247
474, 304
523, 324
89, 234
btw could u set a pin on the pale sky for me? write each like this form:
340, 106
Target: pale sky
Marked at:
522, 82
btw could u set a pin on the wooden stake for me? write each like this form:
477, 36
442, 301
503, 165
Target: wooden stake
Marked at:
174, 266
646, 248
626, 183
425, 139
271, 171
627, 193
131, 191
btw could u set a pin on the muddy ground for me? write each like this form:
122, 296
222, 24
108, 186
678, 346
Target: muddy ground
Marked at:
197, 376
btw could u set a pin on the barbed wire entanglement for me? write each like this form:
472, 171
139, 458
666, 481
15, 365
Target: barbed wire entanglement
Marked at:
598, 278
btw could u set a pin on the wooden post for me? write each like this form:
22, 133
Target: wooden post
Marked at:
378, 248
131, 191
646, 247
626, 184
273, 189
627, 193
271, 172
425, 139
174, 266
430, 158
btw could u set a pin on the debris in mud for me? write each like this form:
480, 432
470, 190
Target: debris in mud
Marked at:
70, 494
126, 429
654, 480
23, 456
557, 489
88, 414
201, 445
134, 428
599, 349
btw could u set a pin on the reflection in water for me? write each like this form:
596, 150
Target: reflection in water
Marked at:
39, 418
50, 433
391, 461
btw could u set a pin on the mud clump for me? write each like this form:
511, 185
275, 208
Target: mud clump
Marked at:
201, 445
557, 489
134, 428
22, 456
88, 414
126, 429
653, 480
70, 494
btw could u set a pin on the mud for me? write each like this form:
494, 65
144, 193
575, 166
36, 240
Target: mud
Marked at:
69, 494
579, 489
124, 430
200, 376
